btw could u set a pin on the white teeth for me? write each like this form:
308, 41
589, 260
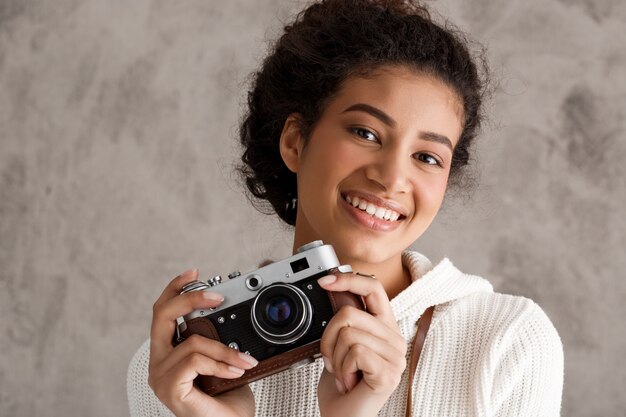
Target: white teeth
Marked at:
373, 210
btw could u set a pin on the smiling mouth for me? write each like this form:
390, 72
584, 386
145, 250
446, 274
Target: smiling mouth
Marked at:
373, 210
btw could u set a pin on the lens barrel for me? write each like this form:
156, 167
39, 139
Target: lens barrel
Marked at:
281, 314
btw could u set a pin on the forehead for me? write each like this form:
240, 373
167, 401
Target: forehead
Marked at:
407, 95
386, 79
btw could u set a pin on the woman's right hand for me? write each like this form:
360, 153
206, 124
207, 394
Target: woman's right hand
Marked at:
173, 369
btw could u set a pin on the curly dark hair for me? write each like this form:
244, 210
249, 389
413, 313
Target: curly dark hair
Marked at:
327, 43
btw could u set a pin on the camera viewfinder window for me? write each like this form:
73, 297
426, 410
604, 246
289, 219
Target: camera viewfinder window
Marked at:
299, 265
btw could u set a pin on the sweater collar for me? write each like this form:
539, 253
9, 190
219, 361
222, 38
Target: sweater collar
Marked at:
433, 285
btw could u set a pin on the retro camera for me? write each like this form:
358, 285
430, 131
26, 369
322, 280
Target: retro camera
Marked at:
276, 313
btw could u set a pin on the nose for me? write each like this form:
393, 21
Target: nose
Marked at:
389, 170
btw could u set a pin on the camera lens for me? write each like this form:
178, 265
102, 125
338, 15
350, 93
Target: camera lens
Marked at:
278, 310
281, 314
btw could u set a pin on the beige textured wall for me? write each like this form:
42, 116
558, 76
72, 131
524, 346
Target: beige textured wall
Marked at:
117, 127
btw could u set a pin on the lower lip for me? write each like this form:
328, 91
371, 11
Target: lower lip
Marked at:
365, 219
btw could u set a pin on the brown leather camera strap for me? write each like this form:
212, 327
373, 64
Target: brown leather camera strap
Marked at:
423, 324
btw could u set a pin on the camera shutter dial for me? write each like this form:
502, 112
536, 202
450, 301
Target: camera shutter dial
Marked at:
310, 245
194, 286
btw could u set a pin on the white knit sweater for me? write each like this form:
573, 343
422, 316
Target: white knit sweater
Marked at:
486, 354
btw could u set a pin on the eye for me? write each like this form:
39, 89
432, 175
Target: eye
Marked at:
364, 134
428, 159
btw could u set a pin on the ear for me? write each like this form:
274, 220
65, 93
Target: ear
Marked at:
292, 142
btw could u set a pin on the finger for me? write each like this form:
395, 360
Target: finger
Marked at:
368, 287
176, 285
177, 382
378, 373
197, 364
350, 337
165, 315
348, 368
352, 317
210, 348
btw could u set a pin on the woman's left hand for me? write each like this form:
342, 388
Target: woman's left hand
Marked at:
356, 343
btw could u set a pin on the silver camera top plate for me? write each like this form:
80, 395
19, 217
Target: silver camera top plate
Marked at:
310, 259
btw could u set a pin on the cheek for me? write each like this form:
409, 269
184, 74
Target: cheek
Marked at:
330, 150
343, 153
328, 160
314, 176
431, 195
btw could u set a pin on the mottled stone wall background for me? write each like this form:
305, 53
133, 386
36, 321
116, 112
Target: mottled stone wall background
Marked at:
117, 127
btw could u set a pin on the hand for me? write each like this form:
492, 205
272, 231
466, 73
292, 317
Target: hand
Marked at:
173, 369
357, 343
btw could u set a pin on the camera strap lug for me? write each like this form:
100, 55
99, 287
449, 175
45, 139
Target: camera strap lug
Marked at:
179, 338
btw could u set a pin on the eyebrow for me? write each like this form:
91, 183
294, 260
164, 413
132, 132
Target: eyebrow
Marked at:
386, 119
436, 137
377, 113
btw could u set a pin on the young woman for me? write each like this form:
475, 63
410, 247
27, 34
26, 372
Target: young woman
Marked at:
359, 120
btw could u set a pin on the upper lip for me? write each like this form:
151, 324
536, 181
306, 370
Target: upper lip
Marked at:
378, 201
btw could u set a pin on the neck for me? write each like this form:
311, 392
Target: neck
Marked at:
391, 273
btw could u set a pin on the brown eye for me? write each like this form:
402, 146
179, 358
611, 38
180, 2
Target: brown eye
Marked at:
364, 134
427, 159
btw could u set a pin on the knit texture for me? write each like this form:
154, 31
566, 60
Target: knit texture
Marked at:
486, 354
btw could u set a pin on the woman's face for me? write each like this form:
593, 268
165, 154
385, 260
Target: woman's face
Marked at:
384, 143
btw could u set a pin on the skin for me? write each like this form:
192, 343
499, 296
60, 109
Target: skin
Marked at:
400, 158
381, 138
172, 369
355, 152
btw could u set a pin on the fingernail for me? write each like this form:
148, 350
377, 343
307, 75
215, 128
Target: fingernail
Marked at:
328, 279
350, 386
235, 370
212, 296
249, 359
340, 386
327, 364
190, 271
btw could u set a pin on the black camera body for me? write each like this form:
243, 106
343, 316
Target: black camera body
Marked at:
276, 313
